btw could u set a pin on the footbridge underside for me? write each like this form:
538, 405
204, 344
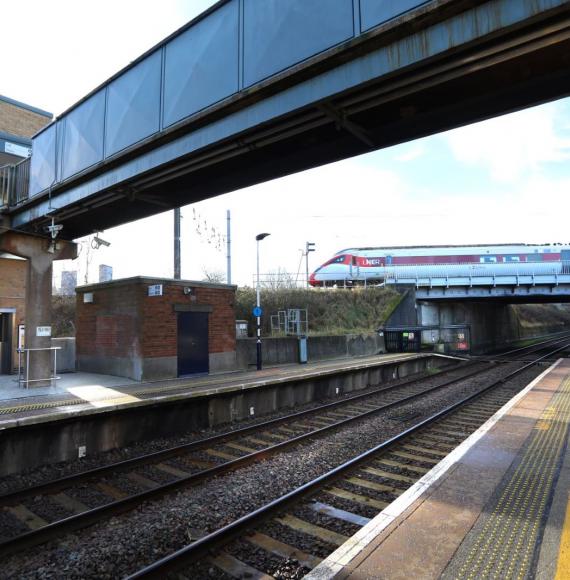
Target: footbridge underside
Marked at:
257, 89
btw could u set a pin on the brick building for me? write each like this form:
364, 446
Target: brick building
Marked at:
18, 122
153, 328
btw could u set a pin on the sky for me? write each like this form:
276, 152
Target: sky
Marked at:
502, 180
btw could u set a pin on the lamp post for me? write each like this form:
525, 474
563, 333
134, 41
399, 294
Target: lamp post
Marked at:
258, 239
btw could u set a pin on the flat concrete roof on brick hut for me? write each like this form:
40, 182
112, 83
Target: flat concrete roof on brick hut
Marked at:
152, 280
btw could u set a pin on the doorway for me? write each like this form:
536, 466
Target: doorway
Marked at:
193, 351
5, 343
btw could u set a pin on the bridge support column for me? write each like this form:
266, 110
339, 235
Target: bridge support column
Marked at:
40, 253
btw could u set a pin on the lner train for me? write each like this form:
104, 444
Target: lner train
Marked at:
359, 265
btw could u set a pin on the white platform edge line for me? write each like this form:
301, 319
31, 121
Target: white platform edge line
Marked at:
343, 555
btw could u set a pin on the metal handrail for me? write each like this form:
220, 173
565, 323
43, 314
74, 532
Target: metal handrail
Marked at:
478, 270
27, 380
15, 183
21, 187
6, 184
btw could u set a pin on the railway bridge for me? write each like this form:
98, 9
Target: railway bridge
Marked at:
508, 283
252, 90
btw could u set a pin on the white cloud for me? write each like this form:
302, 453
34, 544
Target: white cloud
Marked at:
410, 153
513, 145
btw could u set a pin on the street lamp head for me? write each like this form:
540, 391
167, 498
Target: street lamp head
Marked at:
260, 237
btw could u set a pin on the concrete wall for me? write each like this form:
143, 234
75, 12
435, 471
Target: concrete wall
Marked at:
492, 323
31, 445
276, 351
65, 356
405, 313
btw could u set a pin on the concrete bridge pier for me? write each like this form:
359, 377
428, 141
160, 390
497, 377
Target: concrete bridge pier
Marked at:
40, 253
492, 324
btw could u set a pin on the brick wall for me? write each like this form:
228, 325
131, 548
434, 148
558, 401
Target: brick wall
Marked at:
122, 310
13, 294
108, 327
159, 326
20, 121
222, 322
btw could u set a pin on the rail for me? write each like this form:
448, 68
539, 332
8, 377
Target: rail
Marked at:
211, 543
15, 183
25, 372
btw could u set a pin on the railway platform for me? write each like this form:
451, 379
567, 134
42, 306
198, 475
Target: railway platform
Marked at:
90, 414
497, 507
79, 392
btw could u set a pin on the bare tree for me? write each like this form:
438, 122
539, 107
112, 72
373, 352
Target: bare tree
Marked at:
214, 277
278, 279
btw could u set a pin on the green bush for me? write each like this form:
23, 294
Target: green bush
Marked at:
331, 311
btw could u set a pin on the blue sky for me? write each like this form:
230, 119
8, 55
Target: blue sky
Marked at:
502, 180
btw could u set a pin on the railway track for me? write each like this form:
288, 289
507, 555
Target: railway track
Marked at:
120, 487
298, 530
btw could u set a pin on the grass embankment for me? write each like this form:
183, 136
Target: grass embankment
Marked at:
539, 316
330, 312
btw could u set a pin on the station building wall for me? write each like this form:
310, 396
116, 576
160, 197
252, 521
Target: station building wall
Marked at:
126, 332
13, 272
20, 119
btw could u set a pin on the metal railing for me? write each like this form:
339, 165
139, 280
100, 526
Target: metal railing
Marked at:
25, 371
394, 274
15, 183
6, 184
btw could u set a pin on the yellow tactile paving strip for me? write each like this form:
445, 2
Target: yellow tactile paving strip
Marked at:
506, 543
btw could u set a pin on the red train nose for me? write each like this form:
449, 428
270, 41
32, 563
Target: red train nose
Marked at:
312, 280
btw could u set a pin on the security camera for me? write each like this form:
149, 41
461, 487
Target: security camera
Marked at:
98, 242
187, 290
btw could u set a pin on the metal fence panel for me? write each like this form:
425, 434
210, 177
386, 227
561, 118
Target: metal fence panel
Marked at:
83, 135
21, 182
201, 65
42, 171
279, 34
6, 178
133, 105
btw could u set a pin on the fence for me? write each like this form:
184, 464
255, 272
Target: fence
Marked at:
14, 183
24, 366
415, 273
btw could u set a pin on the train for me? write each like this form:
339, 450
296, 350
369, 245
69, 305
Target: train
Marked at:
354, 266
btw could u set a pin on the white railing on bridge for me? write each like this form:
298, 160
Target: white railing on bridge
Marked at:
427, 274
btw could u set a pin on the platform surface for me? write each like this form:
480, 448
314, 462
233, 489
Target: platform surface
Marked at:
496, 507
82, 392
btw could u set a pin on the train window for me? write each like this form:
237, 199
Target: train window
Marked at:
337, 260
488, 259
512, 259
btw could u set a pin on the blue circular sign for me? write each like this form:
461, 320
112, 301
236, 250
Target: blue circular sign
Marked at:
257, 311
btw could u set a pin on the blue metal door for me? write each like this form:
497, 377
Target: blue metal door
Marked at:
192, 343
